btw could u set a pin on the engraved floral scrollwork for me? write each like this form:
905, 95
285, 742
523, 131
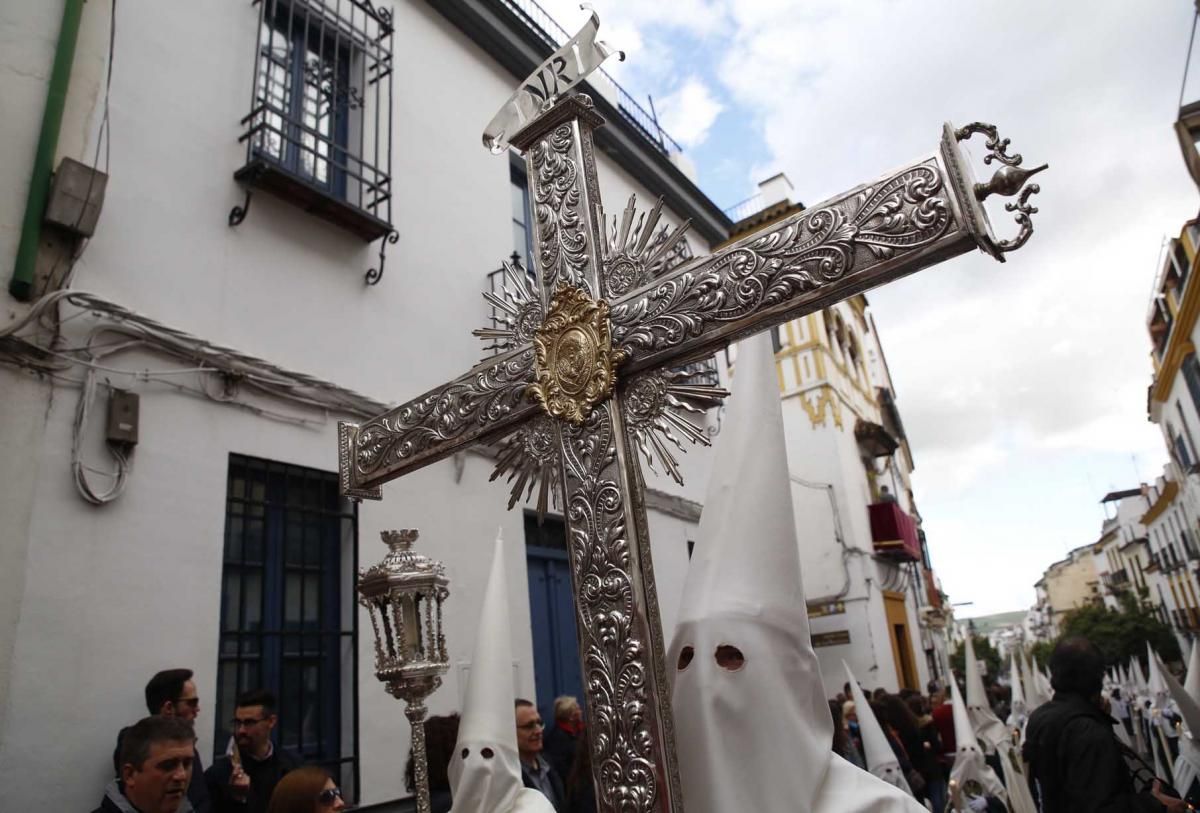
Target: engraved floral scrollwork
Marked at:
470, 405
903, 213
615, 657
558, 196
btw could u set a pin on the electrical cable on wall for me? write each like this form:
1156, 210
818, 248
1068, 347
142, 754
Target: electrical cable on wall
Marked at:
120, 330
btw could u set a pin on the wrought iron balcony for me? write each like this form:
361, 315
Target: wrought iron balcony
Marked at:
319, 130
894, 532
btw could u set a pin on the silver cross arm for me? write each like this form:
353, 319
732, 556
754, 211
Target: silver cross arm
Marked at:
479, 405
912, 218
915, 217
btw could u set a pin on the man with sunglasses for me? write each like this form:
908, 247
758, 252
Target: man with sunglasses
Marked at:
172, 693
243, 780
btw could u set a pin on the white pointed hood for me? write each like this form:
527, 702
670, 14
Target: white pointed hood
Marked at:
991, 732
1141, 685
1155, 684
1191, 681
485, 770
1189, 704
1034, 696
1019, 707
1187, 698
881, 759
752, 724
969, 765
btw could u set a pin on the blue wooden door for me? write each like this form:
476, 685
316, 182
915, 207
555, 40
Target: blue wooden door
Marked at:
552, 614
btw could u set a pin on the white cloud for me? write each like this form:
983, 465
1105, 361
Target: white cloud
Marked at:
688, 113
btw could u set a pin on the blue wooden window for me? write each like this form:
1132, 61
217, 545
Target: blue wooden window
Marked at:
552, 613
305, 91
288, 620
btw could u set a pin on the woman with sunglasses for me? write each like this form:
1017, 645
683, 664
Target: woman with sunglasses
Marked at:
306, 790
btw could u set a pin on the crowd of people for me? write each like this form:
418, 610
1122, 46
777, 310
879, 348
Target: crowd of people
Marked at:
919, 729
157, 768
1072, 754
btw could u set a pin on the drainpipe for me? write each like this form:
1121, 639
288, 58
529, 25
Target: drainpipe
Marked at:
21, 286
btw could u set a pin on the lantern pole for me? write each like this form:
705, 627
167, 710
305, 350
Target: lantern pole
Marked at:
404, 595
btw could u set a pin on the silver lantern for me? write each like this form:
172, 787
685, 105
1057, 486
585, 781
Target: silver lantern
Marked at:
403, 595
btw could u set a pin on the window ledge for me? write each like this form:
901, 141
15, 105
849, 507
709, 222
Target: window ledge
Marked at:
268, 176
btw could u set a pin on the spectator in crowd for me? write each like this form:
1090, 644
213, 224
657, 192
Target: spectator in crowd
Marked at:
850, 717
561, 739
306, 790
242, 781
155, 767
581, 790
941, 710
928, 782
441, 733
536, 771
172, 693
1075, 759
843, 746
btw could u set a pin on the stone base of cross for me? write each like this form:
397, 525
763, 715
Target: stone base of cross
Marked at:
589, 364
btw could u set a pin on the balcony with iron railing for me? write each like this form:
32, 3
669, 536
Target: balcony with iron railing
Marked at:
538, 21
318, 132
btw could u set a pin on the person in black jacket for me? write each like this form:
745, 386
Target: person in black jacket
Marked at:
1076, 761
242, 781
561, 740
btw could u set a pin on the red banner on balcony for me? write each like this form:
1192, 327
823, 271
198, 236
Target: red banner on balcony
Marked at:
894, 532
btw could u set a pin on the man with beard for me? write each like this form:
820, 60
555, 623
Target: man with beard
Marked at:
242, 781
155, 768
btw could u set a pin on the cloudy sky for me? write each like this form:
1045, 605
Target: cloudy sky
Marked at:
1023, 385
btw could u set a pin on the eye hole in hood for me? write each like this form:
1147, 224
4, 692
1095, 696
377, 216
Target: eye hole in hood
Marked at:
729, 657
685, 657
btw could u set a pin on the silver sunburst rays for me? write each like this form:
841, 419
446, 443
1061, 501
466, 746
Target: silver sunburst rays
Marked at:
632, 254
662, 408
516, 311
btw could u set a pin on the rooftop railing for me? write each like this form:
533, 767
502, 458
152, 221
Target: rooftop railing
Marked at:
547, 29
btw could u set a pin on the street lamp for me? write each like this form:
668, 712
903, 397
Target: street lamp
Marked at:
403, 594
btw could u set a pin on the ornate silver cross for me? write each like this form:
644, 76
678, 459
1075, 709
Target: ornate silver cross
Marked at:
584, 377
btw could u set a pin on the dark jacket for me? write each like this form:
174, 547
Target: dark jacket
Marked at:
264, 776
559, 750
197, 792
1077, 764
559, 800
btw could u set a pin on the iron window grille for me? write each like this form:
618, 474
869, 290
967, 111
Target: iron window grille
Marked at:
319, 130
288, 617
